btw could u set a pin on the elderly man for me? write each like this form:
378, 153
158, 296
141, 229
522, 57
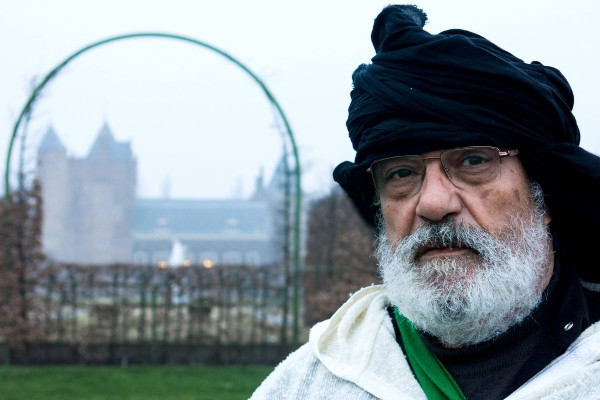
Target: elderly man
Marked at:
468, 161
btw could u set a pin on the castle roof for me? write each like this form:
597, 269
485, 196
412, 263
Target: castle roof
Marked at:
105, 146
51, 142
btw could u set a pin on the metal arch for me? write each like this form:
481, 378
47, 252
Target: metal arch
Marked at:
297, 211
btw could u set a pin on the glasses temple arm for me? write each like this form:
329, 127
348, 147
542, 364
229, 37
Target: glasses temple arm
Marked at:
509, 153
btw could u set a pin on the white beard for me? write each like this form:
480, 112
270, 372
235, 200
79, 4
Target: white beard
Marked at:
464, 300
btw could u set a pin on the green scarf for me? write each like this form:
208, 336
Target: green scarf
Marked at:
431, 374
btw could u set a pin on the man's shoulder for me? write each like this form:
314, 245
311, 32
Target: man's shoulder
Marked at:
573, 375
592, 330
281, 380
302, 376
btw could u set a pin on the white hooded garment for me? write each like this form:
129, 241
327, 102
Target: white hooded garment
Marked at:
354, 355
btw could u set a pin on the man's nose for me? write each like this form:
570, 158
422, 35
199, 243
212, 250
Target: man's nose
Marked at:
438, 196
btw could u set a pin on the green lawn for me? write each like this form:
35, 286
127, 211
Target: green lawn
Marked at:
130, 383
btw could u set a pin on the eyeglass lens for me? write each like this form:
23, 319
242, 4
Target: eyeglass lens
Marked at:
465, 167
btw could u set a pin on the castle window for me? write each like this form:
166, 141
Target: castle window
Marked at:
232, 257
141, 257
252, 258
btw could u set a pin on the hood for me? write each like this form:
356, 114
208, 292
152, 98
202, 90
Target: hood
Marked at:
358, 344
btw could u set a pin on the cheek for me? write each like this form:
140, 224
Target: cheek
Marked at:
517, 196
497, 206
498, 199
507, 196
520, 187
397, 221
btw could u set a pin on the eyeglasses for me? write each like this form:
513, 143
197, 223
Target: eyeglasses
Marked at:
402, 176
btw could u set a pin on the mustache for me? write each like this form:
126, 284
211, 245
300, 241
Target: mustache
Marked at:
437, 235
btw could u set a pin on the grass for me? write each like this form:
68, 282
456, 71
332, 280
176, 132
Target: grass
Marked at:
130, 383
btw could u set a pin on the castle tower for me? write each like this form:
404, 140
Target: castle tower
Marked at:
88, 202
53, 173
105, 189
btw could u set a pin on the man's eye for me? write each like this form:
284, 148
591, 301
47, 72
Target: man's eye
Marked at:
400, 173
473, 160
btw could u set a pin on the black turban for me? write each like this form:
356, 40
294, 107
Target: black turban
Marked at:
425, 92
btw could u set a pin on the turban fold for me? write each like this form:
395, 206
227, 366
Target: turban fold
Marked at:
425, 92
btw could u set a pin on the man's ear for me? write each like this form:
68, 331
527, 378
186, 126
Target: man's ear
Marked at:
547, 218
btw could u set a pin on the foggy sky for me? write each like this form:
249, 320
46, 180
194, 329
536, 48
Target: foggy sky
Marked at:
200, 122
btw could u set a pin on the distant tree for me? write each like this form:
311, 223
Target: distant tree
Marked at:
20, 264
339, 256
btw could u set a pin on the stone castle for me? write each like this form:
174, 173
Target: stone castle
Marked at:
92, 214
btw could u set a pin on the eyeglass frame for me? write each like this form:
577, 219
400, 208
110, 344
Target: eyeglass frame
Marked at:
501, 154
